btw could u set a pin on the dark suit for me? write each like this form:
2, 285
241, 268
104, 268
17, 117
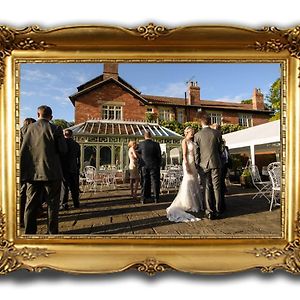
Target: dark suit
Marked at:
23, 187
225, 157
70, 166
207, 158
150, 161
41, 168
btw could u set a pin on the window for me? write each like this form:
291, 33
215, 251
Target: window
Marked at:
245, 120
150, 110
215, 118
165, 114
180, 116
111, 112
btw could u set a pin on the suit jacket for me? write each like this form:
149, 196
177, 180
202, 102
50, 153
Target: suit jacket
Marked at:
23, 130
42, 146
208, 144
71, 160
150, 154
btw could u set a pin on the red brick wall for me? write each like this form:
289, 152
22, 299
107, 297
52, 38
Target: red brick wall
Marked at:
88, 106
260, 119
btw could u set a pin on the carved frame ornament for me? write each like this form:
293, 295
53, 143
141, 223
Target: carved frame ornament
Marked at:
35, 43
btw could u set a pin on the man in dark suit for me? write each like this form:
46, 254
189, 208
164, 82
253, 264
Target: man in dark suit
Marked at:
207, 158
150, 162
23, 187
70, 166
40, 167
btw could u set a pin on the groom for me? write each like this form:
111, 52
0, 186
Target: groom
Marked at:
208, 162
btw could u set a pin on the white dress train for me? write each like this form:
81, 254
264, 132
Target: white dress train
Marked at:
189, 196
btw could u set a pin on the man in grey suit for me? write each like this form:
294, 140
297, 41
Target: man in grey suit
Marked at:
40, 167
208, 162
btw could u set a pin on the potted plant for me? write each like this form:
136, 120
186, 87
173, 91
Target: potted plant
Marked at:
245, 178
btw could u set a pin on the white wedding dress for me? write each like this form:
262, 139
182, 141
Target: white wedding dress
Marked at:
189, 197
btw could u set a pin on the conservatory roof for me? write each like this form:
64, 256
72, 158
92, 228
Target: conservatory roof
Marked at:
126, 128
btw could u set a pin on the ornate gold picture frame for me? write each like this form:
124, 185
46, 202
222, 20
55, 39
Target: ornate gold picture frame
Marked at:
148, 44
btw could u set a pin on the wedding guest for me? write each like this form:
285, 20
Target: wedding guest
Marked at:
70, 167
23, 187
133, 168
226, 164
40, 165
150, 162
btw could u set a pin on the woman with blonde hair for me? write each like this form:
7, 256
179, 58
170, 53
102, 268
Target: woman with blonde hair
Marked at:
189, 196
133, 168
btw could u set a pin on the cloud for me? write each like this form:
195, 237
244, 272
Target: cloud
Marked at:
172, 89
79, 77
234, 99
37, 75
176, 89
28, 93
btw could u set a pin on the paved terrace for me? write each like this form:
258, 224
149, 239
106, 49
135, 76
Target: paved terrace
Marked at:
114, 213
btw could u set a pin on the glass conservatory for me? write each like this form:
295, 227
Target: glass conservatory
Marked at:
104, 143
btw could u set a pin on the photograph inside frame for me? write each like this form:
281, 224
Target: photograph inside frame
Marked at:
150, 149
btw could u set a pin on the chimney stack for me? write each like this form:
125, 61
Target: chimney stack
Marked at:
110, 70
193, 93
258, 100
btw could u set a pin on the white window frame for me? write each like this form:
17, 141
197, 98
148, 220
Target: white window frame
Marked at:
112, 110
215, 117
246, 120
165, 114
180, 115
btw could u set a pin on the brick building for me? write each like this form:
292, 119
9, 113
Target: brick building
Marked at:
109, 112
109, 97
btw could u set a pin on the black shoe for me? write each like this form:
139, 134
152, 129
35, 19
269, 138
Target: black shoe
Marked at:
76, 206
64, 207
217, 215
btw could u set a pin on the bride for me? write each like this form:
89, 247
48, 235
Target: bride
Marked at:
189, 197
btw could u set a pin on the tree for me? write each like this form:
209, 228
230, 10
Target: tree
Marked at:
247, 101
274, 98
62, 123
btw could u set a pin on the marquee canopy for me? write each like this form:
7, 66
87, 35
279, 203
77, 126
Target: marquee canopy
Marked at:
268, 133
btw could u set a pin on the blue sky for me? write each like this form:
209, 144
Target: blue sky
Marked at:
51, 84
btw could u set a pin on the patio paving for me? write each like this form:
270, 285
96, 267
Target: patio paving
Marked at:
114, 213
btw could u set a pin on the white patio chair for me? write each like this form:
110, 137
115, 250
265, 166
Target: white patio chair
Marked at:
170, 180
263, 187
91, 180
274, 170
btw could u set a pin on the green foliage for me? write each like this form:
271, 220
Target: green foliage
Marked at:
274, 99
179, 127
246, 173
226, 128
247, 101
195, 125
173, 125
151, 117
275, 117
62, 123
